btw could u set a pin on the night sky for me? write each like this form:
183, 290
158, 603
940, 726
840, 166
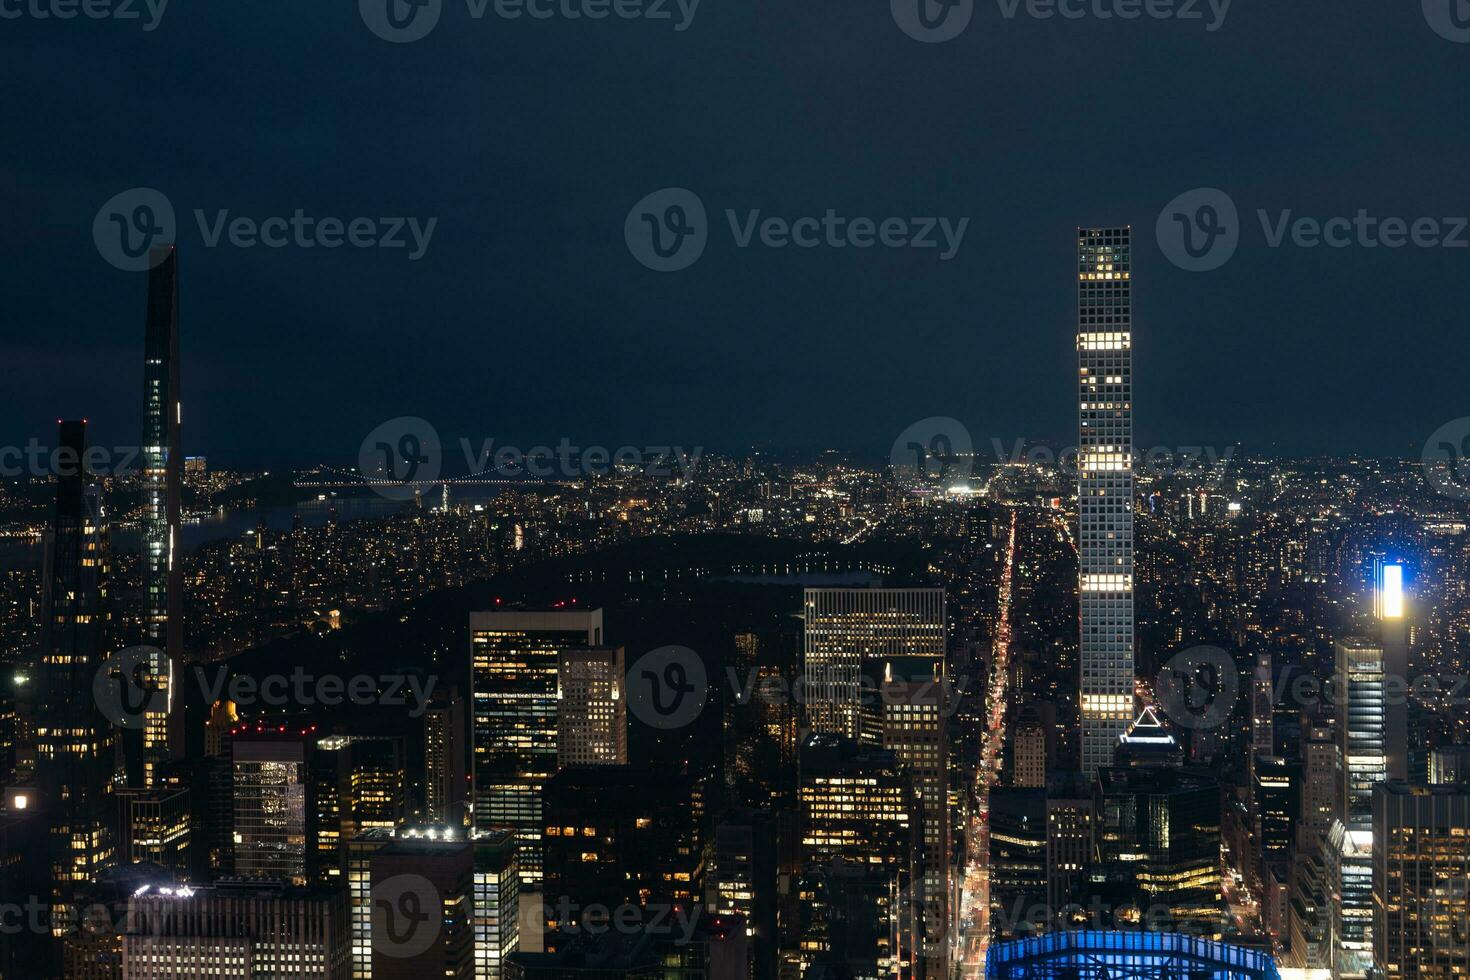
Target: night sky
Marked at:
528, 320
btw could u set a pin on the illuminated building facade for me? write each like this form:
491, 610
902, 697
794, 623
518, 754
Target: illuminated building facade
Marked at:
496, 912
742, 879
162, 462
446, 776
236, 928
1421, 866
274, 803
1361, 727
620, 836
155, 828
912, 700
359, 784
1158, 843
857, 805
1105, 488
846, 628
591, 710
1116, 955
75, 743
514, 656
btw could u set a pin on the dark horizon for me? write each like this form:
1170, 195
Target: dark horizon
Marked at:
526, 315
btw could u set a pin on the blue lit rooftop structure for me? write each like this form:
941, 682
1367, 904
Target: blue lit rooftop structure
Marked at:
1122, 955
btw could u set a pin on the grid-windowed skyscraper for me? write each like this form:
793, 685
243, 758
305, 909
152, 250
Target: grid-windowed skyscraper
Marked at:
592, 714
514, 656
75, 744
846, 628
1105, 488
163, 570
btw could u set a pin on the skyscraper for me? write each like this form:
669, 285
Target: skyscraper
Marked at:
1361, 726
446, 776
592, 713
514, 656
915, 709
163, 573
423, 906
275, 831
75, 745
1421, 863
847, 627
1105, 488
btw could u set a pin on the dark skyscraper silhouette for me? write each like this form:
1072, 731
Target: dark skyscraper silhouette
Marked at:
75, 744
163, 572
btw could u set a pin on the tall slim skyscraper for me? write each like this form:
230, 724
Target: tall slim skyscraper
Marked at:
514, 657
446, 773
846, 628
163, 571
75, 745
1361, 727
1105, 488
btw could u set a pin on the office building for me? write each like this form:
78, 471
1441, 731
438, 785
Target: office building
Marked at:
423, 902
1018, 861
75, 743
1158, 844
845, 628
1449, 764
514, 656
155, 828
162, 462
1105, 488
1028, 749
620, 836
912, 702
446, 772
1069, 840
1421, 867
495, 916
741, 881
1349, 860
592, 711
1361, 726
359, 783
273, 803
236, 929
